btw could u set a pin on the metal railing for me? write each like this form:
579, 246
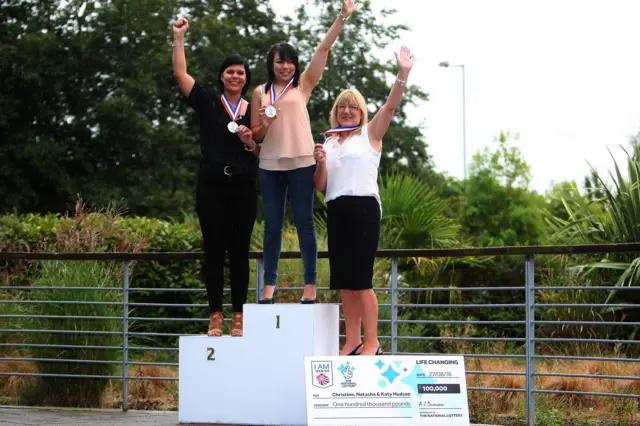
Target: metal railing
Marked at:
394, 290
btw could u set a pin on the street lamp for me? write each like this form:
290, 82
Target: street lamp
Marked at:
446, 64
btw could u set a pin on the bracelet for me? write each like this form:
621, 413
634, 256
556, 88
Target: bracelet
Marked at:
401, 82
254, 147
343, 17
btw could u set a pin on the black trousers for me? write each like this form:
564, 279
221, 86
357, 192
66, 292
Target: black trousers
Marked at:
227, 209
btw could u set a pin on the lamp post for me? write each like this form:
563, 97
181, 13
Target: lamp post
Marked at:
446, 64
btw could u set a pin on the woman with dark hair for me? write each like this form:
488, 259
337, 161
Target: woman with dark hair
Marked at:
226, 196
280, 120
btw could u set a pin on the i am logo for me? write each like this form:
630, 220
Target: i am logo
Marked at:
322, 374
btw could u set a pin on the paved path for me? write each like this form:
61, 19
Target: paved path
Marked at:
63, 416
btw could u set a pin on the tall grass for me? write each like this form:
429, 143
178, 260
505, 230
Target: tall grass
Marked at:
92, 337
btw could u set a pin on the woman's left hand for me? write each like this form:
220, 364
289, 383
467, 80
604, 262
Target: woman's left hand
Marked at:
405, 59
348, 7
246, 135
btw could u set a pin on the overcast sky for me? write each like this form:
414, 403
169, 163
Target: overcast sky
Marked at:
564, 74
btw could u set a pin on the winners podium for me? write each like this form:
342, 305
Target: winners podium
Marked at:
259, 378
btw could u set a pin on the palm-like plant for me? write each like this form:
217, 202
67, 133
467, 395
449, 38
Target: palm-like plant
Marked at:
613, 217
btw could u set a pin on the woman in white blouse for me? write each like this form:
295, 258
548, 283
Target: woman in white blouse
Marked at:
347, 171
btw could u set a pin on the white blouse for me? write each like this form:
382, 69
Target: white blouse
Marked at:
352, 168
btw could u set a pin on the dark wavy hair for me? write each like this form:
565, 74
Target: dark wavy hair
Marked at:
235, 60
288, 53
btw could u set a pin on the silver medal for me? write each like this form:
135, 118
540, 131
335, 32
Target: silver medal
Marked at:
270, 111
232, 126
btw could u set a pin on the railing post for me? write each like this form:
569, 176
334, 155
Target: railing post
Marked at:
530, 299
394, 306
259, 278
125, 339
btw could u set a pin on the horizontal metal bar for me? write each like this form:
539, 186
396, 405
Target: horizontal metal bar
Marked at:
155, 364
170, 379
470, 339
57, 302
164, 334
497, 389
587, 376
34, 345
142, 319
461, 289
405, 253
461, 322
175, 305
62, 361
28, 287
61, 376
134, 348
107, 333
62, 317
498, 373
583, 358
457, 306
468, 355
614, 323
585, 288
586, 305
615, 395
633, 342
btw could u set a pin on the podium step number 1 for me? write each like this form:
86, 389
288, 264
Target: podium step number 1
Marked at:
284, 371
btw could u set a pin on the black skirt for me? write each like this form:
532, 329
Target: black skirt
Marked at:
353, 233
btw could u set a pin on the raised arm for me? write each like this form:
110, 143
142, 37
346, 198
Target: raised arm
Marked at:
185, 81
381, 121
311, 76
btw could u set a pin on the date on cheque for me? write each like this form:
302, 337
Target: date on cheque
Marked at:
439, 388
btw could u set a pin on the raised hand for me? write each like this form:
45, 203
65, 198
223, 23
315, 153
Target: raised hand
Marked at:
180, 26
405, 59
348, 7
319, 154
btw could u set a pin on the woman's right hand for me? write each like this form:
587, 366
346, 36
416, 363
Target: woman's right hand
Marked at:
319, 154
180, 26
264, 120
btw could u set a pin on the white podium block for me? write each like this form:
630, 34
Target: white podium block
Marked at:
257, 379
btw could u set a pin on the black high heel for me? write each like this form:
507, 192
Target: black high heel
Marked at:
269, 300
307, 301
353, 352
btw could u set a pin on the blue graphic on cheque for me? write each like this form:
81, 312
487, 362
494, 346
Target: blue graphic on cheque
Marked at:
415, 377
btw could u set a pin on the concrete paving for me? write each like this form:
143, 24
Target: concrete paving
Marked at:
69, 416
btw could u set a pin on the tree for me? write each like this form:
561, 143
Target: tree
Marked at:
498, 208
90, 105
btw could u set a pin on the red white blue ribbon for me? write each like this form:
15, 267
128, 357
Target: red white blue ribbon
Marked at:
340, 129
232, 111
273, 98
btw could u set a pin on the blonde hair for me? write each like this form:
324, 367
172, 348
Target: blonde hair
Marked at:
349, 96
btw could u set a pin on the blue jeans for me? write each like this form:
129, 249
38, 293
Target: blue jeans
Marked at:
274, 186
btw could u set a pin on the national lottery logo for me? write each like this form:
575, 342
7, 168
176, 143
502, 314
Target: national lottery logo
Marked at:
322, 374
347, 370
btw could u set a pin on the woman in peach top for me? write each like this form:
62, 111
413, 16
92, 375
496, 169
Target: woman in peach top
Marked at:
280, 121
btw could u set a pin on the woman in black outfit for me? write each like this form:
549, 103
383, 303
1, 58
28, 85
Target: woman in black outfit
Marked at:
226, 199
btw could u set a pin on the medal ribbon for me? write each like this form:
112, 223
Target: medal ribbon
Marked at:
233, 112
273, 98
340, 129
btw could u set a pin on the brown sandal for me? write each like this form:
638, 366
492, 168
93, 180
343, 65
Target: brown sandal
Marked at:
236, 329
215, 324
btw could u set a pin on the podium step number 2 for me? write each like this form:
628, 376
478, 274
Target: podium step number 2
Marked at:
386, 390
